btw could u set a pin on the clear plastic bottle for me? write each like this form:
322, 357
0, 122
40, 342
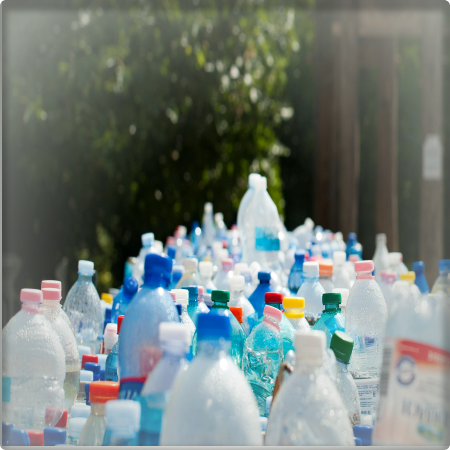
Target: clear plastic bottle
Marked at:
190, 277
76, 425
304, 233
175, 341
212, 403
410, 277
344, 298
147, 240
123, 299
296, 274
294, 311
263, 354
93, 431
442, 282
33, 367
341, 277
257, 297
331, 319
52, 311
182, 297
388, 279
237, 298
82, 306
192, 309
308, 409
325, 274
122, 419
342, 346
139, 344
201, 300
248, 288
381, 256
222, 279
421, 280
112, 360
110, 338
312, 291
396, 263
221, 228
206, 273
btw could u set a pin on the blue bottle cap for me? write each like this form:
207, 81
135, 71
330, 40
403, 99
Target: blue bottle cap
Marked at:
213, 327
358, 442
264, 275
19, 438
7, 429
193, 292
94, 368
444, 265
102, 374
364, 432
108, 315
54, 436
299, 255
352, 236
418, 266
158, 265
86, 391
179, 308
171, 251
130, 287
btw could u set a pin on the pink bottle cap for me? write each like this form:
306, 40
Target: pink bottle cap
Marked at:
364, 266
51, 294
31, 295
274, 313
201, 291
227, 264
51, 284
173, 296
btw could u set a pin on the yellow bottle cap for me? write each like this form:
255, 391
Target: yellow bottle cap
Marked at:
295, 305
410, 277
108, 298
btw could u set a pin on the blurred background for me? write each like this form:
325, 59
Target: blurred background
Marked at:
121, 118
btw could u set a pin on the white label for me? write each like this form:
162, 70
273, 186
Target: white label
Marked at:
367, 390
432, 158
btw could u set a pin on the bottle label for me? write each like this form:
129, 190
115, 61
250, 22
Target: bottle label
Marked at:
367, 390
130, 387
266, 239
111, 374
6, 389
413, 407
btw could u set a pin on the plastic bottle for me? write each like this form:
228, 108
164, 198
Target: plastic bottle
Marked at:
294, 311
123, 298
54, 436
33, 367
237, 298
325, 274
175, 341
312, 291
52, 311
257, 297
410, 277
388, 279
190, 277
263, 354
139, 345
308, 409
182, 297
201, 300
76, 425
421, 280
296, 274
344, 298
304, 233
110, 337
222, 279
193, 309
100, 392
442, 282
206, 273
231, 415
112, 361
177, 273
147, 247
122, 418
396, 263
248, 288
82, 306
353, 246
207, 228
331, 319
342, 346
381, 256
86, 377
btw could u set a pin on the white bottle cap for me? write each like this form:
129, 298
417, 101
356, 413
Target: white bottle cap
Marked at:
205, 268
366, 419
218, 217
310, 346
208, 207
239, 268
147, 239
83, 350
181, 296
158, 246
217, 246
102, 361
76, 425
122, 414
311, 268
110, 335
251, 179
338, 236
182, 231
339, 258
172, 331
344, 295
237, 283
86, 375
190, 264
86, 267
309, 223
80, 410
395, 258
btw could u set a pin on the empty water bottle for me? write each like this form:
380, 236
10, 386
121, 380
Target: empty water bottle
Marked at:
312, 291
147, 247
442, 282
381, 256
257, 299
122, 423
421, 280
237, 298
182, 297
294, 311
206, 274
222, 279
396, 263
353, 246
331, 319
325, 274
123, 299
192, 308
296, 274
112, 361
341, 276
190, 276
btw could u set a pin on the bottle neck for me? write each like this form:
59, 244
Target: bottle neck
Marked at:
271, 323
174, 349
264, 283
84, 278
216, 348
155, 280
364, 276
341, 365
236, 294
220, 305
275, 305
51, 309
193, 301
308, 277
98, 409
32, 307
332, 308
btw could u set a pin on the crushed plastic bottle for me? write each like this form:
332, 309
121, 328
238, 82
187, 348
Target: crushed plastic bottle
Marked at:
237, 298
381, 256
123, 299
122, 418
294, 311
258, 295
190, 276
331, 319
296, 274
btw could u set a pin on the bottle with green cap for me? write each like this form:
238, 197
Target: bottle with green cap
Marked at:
342, 346
220, 301
331, 319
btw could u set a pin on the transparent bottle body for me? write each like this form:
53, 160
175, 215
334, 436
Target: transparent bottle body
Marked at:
312, 291
380, 259
188, 279
326, 283
330, 321
238, 299
349, 392
222, 280
187, 321
94, 429
295, 279
300, 324
112, 364
120, 306
442, 283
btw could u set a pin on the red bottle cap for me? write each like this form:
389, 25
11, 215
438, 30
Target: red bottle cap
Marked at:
89, 358
36, 437
119, 323
273, 297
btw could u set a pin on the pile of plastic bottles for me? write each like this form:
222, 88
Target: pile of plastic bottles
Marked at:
245, 336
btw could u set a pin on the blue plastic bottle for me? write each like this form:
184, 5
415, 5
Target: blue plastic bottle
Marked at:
353, 246
122, 423
193, 308
257, 298
123, 299
195, 236
331, 319
175, 340
94, 368
112, 361
139, 344
177, 273
296, 275
421, 280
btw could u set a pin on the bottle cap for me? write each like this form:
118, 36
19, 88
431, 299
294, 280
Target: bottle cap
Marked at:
358, 441
119, 323
311, 268
220, 296
158, 246
102, 375
130, 287
444, 265
51, 284
108, 298
208, 207
110, 334
213, 327
260, 183
293, 302
103, 391
171, 252
252, 178
86, 268
192, 292
80, 411
86, 375
181, 296
395, 258
54, 436
62, 422
173, 331
227, 264
363, 432
237, 283
31, 295
344, 295
325, 267
201, 291
237, 312
19, 438
190, 264
123, 414
94, 368
352, 237
331, 298
273, 297
264, 275
205, 268
410, 277
309, 346
339, 258
366, 419
51, 294
273, 313
158, 265
388, 276
7, 429
239, 268
36, 437
342, 345
147, 239
418, 266
102, 361
207, 299
76, 425
88, 358
364, 266
179, 308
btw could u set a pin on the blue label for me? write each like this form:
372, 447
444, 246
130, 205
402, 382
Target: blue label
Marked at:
6, 389
111, 375
266, 239
129, 389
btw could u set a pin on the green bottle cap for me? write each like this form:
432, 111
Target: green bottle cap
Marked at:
331, 298
220, 296
342, 346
